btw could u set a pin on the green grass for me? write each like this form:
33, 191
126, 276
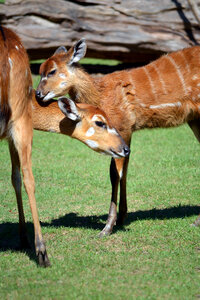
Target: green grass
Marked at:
154, 256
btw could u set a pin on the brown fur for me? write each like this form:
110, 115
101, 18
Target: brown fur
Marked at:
165, 93
48, 117
15, 106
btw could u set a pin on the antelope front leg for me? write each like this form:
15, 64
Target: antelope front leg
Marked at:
123, 199
16, 181
23, 143
116, 168
30, 189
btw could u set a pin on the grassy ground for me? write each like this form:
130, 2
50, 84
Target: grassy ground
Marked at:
154, 256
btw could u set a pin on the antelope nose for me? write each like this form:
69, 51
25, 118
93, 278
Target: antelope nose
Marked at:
126, 150
38, 94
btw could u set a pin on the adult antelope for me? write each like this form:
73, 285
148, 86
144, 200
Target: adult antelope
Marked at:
16, 127
164, 93
19, 112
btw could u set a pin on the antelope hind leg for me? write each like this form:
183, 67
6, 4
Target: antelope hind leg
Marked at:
195, 126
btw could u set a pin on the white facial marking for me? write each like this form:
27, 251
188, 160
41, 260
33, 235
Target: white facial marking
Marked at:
112, 131
98, 118
63, 84
70, 71
92, 144
90, 132
62, 75
10, 61
44, 78
16, 47
50, 95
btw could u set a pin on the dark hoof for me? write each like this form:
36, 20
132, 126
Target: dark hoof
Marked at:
43, 259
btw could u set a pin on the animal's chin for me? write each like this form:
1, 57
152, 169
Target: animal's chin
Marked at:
112, 153
49, 96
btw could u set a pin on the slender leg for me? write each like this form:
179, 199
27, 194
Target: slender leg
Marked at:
16, 181
123, 199
195, 126
23, 143
116, 169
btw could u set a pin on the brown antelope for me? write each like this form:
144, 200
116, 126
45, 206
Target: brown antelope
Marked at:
16, 127
164, 93
83, 122
19, 112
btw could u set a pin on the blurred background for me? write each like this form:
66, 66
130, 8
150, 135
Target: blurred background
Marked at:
130, 31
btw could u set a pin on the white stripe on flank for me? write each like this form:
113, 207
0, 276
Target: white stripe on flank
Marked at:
163, 105
185, 60
133, 87
150, 81
178, 72
160, 78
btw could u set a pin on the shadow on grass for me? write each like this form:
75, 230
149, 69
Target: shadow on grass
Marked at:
9, 238
97, 222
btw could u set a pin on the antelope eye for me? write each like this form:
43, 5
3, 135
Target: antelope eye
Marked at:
51, 73
101, 124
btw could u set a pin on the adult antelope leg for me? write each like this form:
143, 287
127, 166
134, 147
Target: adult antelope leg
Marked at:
195, 126
116, 170
23, 142
16, 182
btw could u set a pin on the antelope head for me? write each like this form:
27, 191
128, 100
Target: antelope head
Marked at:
57, 72
93, 128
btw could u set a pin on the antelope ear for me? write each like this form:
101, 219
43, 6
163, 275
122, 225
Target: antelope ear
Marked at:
69, 108
79, 50
60, 50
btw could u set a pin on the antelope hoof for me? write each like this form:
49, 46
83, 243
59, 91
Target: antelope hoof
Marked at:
103, 233
43, 259
106, 231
